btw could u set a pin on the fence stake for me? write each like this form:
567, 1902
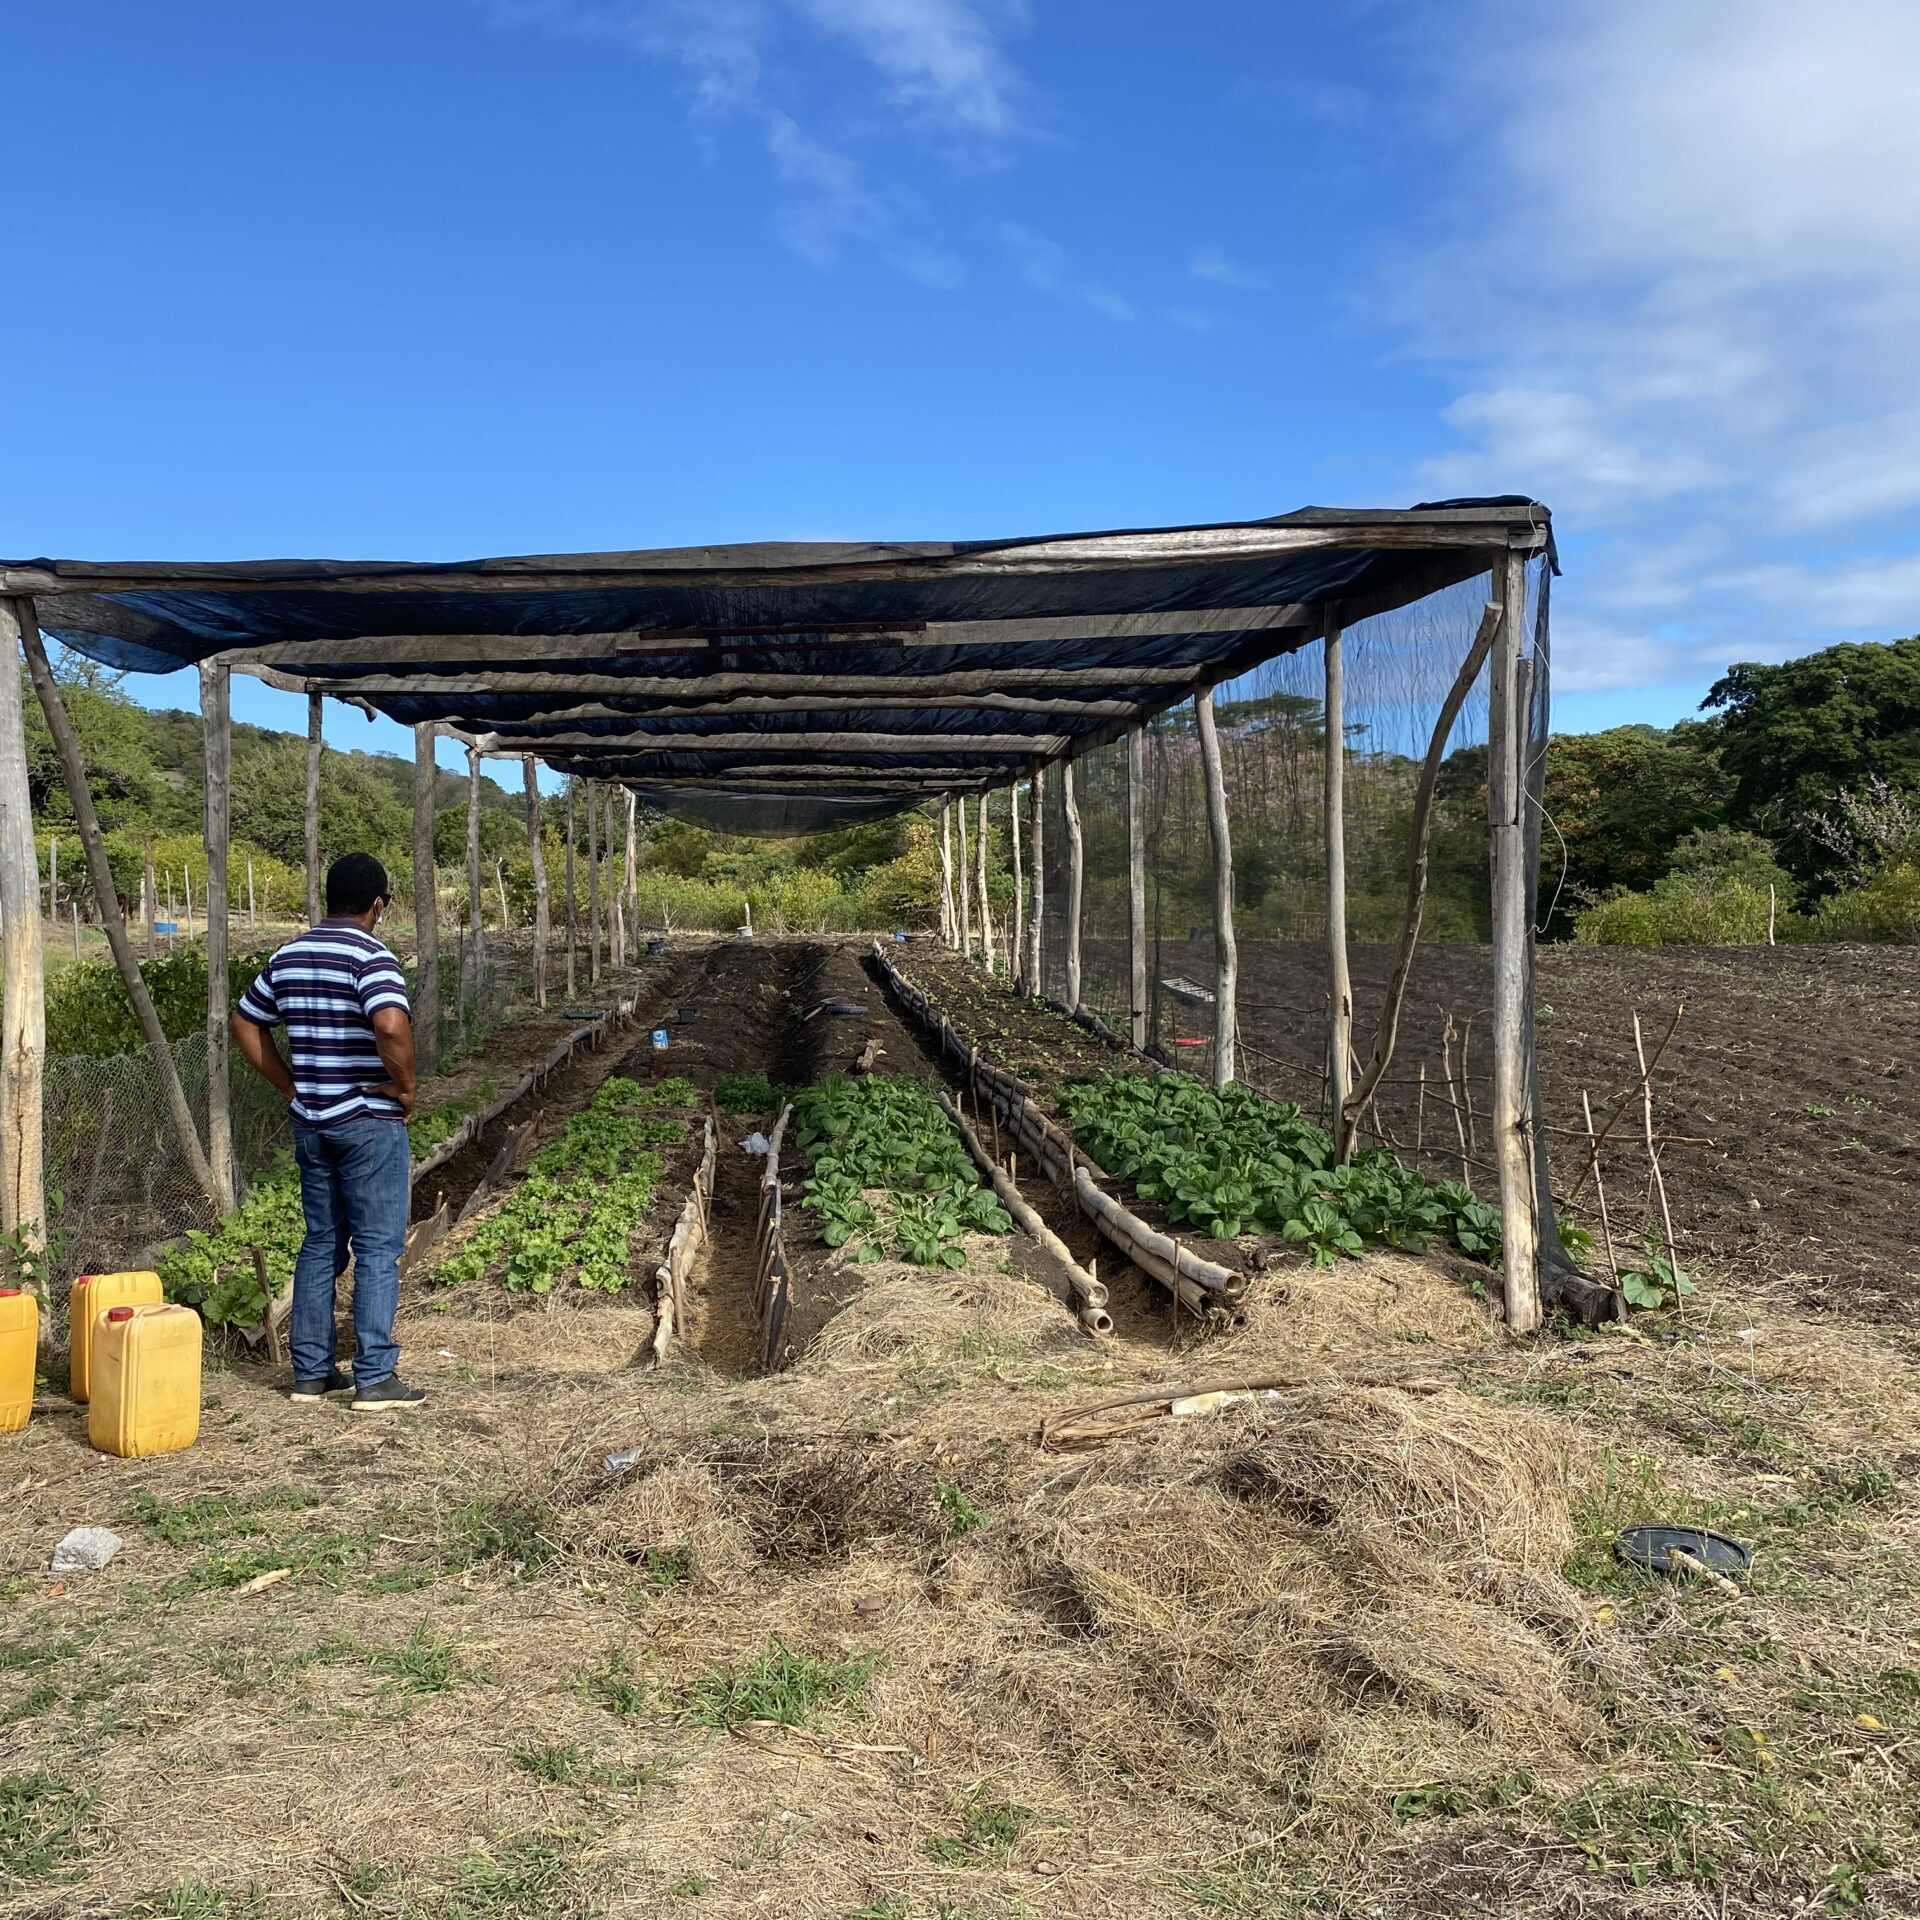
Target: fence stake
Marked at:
426, 901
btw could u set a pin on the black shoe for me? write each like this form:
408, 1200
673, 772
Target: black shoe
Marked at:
312, 1392
391, 1395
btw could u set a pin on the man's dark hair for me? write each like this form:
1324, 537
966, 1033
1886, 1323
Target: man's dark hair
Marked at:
354, 882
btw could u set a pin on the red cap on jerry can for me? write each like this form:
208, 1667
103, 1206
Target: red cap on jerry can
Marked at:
119, 1313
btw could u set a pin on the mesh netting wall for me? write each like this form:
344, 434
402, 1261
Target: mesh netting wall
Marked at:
1398, 670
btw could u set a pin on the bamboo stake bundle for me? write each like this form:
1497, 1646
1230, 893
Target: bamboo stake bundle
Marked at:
965, 878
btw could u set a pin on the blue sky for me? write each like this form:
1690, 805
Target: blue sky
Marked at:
436, 278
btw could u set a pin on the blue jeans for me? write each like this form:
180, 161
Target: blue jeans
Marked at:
356, 1195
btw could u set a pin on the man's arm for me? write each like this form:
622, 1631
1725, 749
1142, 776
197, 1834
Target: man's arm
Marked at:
258, 1051
393, 1035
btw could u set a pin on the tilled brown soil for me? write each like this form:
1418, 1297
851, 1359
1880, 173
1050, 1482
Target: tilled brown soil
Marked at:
1791, 1067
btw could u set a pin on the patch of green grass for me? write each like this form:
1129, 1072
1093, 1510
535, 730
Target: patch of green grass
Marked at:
617, 1684
510, 1526
962, 1515
884, 1908
691, 1887
196, 1900
787, 1688
42, 1826
209, 1518
531, 1877
425, 1662
571, 1765
667, 1566
1253, 1885
991, 1831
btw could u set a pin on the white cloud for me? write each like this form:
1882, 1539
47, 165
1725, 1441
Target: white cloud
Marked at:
1043, 264
938, 56
1684, 280
1212, 265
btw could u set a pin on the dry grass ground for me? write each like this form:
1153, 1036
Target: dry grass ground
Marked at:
849, 1643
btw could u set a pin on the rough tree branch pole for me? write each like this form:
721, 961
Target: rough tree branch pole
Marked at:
217, 745
538, 855
1512, 933
313, 808
1226, 949
73, 769
1137, 884
986, 910
1339, 979
426, 903
476, 892
23, 1021
1076, 881
1036, 851
1017, 948
965, 876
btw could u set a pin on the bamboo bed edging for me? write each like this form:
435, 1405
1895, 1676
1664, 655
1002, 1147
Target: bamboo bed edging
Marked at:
1202, 1286
688, 1240
1089, 1293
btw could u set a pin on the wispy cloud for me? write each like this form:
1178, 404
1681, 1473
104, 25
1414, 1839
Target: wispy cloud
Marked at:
941, 71
1212, 265
1687, 314
938, 57
1043, 264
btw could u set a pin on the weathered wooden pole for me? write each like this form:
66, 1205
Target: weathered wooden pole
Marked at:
573, 913
632, 800
949, 917
593, 883
476, 891
1137, 882
23, 1015
53, 876
1339, 979
1037, 848
1226, 949
216, 733
537, 853
1076, 881
152, 903
73, 770
986, 910
426, 902
1512, 933
616, 885
1017, 948
253, 917
963, 872
313, 807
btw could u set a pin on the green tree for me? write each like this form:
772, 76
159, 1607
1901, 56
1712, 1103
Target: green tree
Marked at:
1796, 736
1622, 801
112, 732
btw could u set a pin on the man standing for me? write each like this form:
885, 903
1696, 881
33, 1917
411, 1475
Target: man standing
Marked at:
341, 997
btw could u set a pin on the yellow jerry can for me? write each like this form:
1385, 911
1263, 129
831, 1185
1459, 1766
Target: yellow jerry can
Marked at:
19, 1341
93, 1294
146, 1381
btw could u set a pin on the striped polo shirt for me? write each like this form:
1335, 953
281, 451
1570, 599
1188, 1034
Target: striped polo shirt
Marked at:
324, 988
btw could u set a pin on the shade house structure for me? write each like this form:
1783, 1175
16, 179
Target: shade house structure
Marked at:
798, 686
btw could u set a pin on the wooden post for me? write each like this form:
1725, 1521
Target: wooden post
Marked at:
1037, 847
1076, 881
632, 800
313, 807
426, 903
186, 889
216, 733
53, 877
75, 906
152, 902
1339, 979
476, 892
1137, 882
253, 917
593, 884
538, 855
23, 1017
500, 885
965, 876
949, 918
986, 910
1017, 949
1226, 949
74, 771
1506, 755
616, 888
573, 914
